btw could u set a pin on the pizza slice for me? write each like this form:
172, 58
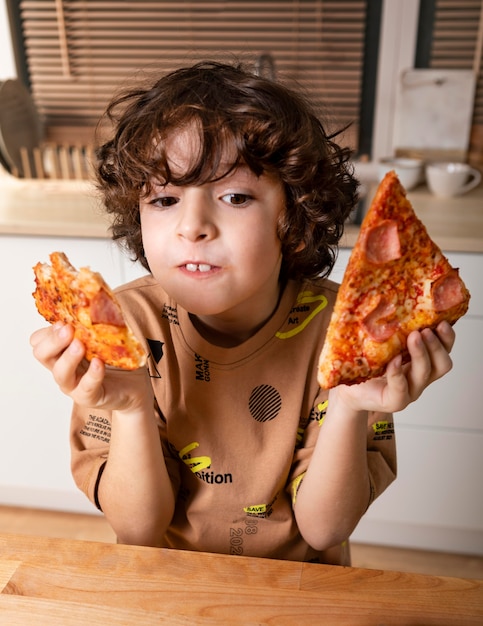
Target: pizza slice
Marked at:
397, 280
83, 299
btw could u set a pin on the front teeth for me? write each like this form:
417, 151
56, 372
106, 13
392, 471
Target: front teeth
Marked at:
201, 267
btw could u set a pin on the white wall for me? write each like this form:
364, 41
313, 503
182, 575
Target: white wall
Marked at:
7, 64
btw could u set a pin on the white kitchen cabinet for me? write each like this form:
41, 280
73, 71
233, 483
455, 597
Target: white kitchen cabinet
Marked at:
34, 420
437, 499
436, 502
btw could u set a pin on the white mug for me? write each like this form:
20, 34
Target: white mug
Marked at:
409, 171
451, 179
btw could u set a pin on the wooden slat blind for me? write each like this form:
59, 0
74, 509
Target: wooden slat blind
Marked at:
457, 42
80, 51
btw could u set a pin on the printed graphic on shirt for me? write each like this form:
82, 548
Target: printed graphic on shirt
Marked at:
242, 530
237, 535
295, 487
97, 427
170, 313
198, 465
321, 411
260, 510
316, 414
195, 463
307, 307
202, 369
265, 403
156, 354
383, 431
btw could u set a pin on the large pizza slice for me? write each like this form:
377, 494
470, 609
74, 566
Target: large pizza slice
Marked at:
397, 280
83, 299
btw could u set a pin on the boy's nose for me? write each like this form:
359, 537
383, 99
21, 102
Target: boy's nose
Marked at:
196, 221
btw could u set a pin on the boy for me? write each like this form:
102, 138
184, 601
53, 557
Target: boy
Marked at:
226, 187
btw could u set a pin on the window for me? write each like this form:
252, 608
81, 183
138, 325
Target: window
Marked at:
76, 53
451, 37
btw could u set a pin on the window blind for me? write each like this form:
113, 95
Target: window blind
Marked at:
79, 52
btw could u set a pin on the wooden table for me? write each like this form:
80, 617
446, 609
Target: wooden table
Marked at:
67, 582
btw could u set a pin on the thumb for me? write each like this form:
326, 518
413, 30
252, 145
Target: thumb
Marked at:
396, 382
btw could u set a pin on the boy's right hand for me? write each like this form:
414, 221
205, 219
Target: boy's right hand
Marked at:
89, 384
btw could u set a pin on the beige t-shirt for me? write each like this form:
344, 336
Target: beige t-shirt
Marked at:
237, 425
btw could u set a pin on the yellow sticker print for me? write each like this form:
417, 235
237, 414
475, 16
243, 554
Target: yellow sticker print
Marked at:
383, 430
305, 297
322, 407
195, 463
295, 487
255, 509
377, 427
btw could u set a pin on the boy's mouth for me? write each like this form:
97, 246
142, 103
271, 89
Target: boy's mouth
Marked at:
198, 267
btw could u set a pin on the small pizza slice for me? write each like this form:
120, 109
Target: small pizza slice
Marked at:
397, 280
83, 299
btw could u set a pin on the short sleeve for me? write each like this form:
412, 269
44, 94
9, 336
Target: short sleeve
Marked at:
90, 438
90, 434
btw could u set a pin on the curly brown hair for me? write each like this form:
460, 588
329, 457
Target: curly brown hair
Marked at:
274, 129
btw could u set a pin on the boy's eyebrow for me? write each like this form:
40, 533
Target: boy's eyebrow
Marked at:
230, 170
239, 168
156, 184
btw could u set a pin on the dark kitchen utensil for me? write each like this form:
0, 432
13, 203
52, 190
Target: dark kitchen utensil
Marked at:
20, 125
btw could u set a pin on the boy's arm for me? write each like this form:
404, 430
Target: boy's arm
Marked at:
336, 488
134, 489
118, 462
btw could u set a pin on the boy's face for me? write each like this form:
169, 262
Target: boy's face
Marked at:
214, 247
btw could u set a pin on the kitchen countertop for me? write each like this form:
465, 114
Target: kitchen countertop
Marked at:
51, 208
455, 224
72, 209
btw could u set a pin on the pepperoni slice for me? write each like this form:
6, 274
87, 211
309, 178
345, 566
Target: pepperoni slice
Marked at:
448, 291
382, 243
380, 324
104, 311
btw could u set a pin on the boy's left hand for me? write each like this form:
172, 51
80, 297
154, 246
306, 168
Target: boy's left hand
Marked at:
402, 384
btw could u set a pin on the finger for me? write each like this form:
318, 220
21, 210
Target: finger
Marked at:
446, 335
396, 391
441, 362
90, 388
37, 336
49, 343
66, 370
430, 360
395, 372
419, 373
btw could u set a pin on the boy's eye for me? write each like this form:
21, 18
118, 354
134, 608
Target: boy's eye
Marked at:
236, 199
163, 201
